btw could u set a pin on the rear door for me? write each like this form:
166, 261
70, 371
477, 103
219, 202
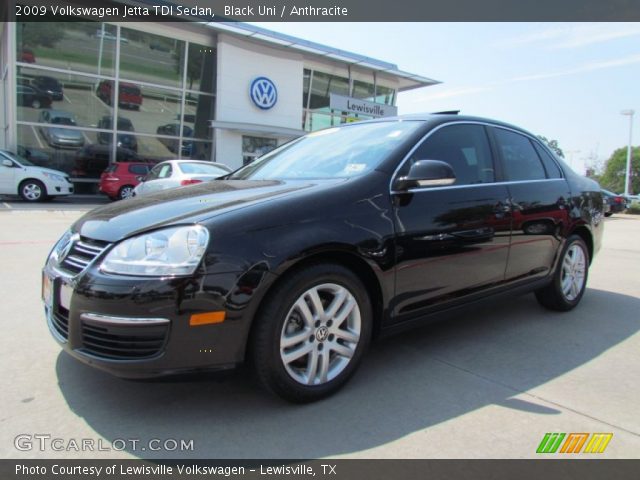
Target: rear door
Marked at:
451, 241
540, 199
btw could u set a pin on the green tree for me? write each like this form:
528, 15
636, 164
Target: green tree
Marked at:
553, 145
614, 171
35, 34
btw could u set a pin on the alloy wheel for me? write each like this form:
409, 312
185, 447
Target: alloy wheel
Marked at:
320, 334
574, 267
32, 192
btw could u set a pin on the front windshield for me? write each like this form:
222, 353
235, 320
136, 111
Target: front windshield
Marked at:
63, 121
332, 153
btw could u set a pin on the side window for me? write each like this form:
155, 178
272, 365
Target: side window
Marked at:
153, 174
550, 165
138, 169
164, 171
521, 162
465, 148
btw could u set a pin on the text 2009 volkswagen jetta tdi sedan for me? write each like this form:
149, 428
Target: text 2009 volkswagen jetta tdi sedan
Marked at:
296, 260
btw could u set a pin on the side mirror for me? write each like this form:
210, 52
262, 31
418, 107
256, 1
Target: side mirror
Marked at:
7, 163
141, 178
426, 173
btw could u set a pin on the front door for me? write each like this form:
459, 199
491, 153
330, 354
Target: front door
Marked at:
7, 178
451, 241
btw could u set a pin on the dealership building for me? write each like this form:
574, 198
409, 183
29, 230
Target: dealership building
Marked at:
225, 92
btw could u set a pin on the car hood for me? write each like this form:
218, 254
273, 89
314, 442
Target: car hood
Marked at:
185, 205
41, 170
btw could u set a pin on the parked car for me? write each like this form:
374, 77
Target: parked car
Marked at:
57, 135
125, 140
295, 261
18, 176
130, 95
92, 160
36, 156
616, 203
173, 143
120, 178
27, 56
31, 96
177, 173
49, 85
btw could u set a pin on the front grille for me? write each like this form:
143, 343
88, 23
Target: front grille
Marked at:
123, 342
60, 322
82, 253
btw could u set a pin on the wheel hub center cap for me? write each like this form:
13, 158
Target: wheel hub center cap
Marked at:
322, 333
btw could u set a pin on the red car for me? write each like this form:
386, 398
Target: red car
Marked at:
130, 95
120, 178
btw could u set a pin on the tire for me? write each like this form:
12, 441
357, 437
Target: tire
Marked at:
331, 349
126, 191
569, 279
608, 214
35, 103
32, 191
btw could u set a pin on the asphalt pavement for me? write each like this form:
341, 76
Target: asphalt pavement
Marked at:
488, 384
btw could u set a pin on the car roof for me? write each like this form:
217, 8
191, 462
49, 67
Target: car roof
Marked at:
435, 119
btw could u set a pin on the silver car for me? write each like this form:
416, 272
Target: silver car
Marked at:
177, 173
56, 135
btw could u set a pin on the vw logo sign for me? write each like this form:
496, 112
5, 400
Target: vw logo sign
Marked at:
264, 93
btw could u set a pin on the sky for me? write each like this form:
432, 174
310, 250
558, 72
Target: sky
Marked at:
566, 81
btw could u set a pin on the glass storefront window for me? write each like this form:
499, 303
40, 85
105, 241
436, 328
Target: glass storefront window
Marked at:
87, 47
198, 110
322, 85
363, 90
201, 68
74, 94
196, 150
385, 95
255, 147
146, 57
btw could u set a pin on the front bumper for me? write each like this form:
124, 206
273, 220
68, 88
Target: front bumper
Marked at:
140, 327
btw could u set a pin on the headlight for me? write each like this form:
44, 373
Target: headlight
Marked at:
54, 177
168, 252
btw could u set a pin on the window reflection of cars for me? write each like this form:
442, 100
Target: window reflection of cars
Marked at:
57, 135
92, 160
31, 96
172, 143
125, 140
130, 95
34, 155
49, 85
27, 56
178, 173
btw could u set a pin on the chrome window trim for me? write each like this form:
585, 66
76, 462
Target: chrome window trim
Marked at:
467, 122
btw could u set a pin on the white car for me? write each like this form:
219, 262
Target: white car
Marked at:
18, 176
176, 173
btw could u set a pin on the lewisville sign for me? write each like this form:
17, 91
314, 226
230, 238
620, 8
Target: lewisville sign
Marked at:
356, 105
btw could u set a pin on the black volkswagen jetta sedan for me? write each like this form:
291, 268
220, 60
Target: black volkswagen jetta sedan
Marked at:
295, 261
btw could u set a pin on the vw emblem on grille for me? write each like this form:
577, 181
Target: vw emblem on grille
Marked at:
263, 93
322, 333
68, 246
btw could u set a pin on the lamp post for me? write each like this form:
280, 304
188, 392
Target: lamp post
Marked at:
627, 170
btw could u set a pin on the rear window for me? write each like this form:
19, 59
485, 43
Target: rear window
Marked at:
201, 168
130, 90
